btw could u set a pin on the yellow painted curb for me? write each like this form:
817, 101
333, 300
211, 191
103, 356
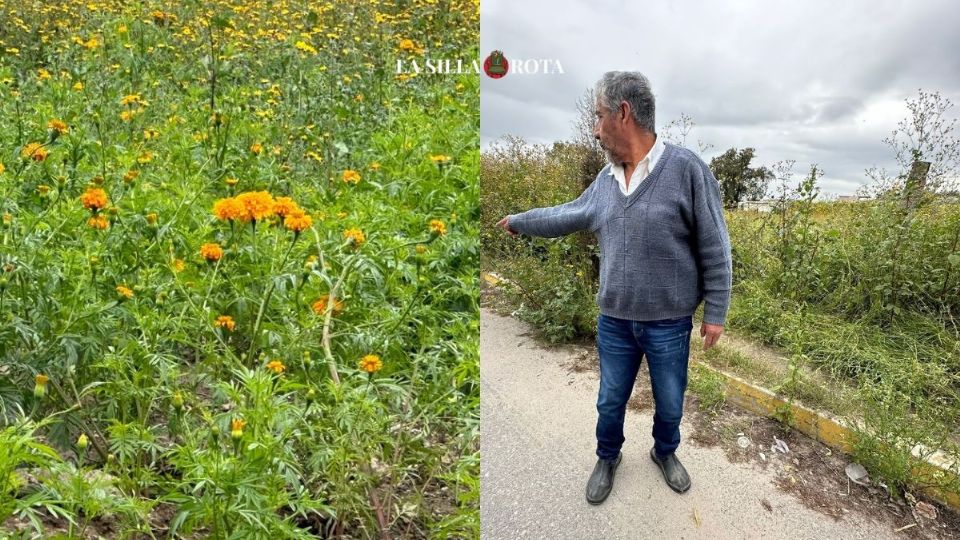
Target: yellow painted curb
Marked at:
831, 431
493, 279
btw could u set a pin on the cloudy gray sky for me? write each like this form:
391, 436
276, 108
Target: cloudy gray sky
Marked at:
815, 81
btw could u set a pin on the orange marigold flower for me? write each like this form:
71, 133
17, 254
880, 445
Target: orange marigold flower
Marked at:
320, 306
276, 366
284, 205
211, 252
42, 379
236, 428
58, 125
407, 45
371, 363
351, 176
437, 227
94, 199
230, 209
35, 151
258, 204
256, 148
98, 222
355, 236
298, 221
124, 291
225, 321
131, 175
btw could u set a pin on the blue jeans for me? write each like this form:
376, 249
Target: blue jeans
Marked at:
622, 344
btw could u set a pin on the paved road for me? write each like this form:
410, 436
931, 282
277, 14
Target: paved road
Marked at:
537, 451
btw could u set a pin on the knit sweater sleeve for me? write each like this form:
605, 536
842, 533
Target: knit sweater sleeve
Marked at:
712, 243
560, 220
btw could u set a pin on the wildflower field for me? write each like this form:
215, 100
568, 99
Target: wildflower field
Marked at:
238, 270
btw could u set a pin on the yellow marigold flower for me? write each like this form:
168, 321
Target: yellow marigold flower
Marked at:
150, 134
145, 157
298, 221
232, 182
320, 306
58, 125
225, 321
152, 218
211, 252
43, 74
256, 148
305, 47
94, 199
130, 99
276, 366
236, 428
2, 168
127, 116
439, 158
407, 45
437, 227
7, 218
40, 385
131, 175
43, 189
258, 204
124, 291
421, 249
98, 222
375, 166
370, 363
178, 265
355, 236
35, 151
283, 206
350, 175
78, 86
230, 209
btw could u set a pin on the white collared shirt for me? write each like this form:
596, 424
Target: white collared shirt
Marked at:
643, 168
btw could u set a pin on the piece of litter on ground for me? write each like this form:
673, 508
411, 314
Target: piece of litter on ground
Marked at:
905, 527
763, 456
780, 445
743, 442
927, 510
696, 517
857, 474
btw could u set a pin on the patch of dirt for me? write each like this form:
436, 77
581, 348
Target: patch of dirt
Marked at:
811, 472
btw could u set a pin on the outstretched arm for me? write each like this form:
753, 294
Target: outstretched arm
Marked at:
557, 220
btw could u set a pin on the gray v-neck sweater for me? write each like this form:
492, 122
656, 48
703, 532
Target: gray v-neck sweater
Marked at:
663, 249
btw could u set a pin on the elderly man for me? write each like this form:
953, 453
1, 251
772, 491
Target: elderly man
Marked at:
657, 214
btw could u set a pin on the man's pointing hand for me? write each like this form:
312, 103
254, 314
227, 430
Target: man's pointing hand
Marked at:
504, 224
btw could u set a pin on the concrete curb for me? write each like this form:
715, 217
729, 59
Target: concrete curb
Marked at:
837, 433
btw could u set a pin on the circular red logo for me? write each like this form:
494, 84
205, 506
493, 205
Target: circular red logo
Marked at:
496, 65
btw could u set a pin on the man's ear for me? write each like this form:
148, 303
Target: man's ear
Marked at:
623, 112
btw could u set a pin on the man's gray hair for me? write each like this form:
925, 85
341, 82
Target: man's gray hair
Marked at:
630, 86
